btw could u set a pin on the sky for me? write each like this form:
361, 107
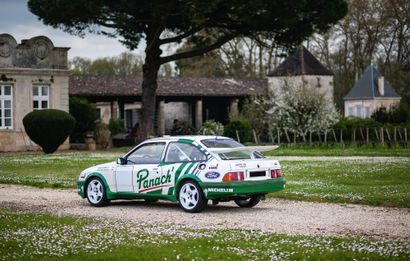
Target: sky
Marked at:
18, 21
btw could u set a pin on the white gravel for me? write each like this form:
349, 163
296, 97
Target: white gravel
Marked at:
277, 216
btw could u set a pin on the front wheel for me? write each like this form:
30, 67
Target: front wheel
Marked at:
190, 197
248, 202
96, 193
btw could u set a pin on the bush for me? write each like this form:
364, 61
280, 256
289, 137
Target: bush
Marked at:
182, 128
48, 128
85, 114
212, 128
116, 126
102, 135
242, 126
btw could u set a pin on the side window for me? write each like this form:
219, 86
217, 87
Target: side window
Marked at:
183, 152
149, 153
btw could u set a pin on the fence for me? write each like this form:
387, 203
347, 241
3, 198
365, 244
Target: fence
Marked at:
359, 136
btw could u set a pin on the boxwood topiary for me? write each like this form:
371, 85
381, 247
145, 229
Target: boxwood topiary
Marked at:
48, 128
242, 126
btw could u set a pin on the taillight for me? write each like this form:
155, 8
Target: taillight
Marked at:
234, 176
276, 173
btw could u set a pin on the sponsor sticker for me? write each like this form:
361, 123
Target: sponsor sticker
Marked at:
213, 167
227, 190
212, 175
240, 165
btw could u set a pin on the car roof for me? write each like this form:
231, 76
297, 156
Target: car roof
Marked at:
196, 138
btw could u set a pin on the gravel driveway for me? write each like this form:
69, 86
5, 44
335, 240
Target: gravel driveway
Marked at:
278, 216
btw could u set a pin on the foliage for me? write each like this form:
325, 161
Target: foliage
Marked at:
116, 126
302, 109
182, 128
397, 114
350, 123
124, 64
206, 24
257, 111
48, 128
102, 135
212, 127
242, 126
85, 114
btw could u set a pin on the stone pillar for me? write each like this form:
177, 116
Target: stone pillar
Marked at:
198, 114
161, 118
114, 109
233, 109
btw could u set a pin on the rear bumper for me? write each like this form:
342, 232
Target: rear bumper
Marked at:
227, 189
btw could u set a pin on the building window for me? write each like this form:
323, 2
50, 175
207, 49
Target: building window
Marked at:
350, 112
359, 111
367, 111
318, 82
40, 97
6, 109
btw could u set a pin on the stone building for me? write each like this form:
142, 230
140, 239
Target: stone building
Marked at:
301, 69
33, 76
194, 100
368, 94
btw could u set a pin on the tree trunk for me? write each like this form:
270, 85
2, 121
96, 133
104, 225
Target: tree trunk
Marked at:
149, 85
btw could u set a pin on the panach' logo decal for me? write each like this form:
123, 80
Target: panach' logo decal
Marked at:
212, 175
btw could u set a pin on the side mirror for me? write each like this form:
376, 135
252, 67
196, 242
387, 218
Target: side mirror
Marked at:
121, 161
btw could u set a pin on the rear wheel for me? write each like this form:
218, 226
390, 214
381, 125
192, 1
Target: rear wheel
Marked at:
96, 192
248, 202
190, 197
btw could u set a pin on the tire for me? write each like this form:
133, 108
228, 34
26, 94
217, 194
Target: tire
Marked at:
96, 192
190, 197
248, 202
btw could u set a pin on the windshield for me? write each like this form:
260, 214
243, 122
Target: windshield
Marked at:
221, 143
229, 143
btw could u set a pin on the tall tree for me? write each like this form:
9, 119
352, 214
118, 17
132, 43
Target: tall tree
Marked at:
207, 24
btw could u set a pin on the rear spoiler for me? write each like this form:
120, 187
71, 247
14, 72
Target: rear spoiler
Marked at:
248, 148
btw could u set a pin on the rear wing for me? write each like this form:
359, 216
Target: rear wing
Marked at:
248, 148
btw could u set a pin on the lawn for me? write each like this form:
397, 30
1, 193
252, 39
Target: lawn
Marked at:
41, 236
337, 150
372, 182
367, 181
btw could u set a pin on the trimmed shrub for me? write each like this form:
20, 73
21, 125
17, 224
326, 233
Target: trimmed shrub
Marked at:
102, 135
242, 126
116, 126
48, 128
212, 127
85, 115
182, 128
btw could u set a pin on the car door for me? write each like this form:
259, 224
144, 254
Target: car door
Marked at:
180, 158
142, 165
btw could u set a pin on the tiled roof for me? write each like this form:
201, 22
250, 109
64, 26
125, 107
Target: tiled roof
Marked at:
367, 87
302, 62
167, 86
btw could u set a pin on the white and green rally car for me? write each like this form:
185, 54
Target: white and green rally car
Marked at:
189, 170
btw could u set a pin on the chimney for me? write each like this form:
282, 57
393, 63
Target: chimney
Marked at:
380, 85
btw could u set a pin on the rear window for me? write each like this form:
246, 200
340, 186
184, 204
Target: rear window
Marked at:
221, 143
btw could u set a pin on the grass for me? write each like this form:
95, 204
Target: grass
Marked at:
373, 182
41, 236
365, 181
59, 170
337, 150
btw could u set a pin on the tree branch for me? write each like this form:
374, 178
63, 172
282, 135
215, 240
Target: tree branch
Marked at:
180, 37
199, 51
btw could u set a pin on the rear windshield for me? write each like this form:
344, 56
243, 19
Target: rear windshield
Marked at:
221, 143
